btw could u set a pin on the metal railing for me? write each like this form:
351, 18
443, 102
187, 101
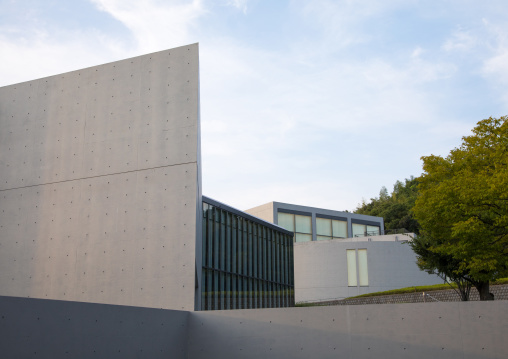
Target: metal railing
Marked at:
397, 231
425, 295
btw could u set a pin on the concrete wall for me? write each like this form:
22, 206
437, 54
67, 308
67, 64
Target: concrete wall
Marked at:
99, 180
34, 328
383, 238
265, 212
428, 330
321, 269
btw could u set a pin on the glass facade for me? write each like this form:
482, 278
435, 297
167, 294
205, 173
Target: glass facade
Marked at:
362, 230
301, 225
327, 228
245, 264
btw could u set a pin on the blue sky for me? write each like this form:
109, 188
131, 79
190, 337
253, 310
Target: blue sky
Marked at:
316, 103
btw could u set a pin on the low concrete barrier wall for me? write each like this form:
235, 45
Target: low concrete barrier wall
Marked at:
36, 328
53, 329
426, 330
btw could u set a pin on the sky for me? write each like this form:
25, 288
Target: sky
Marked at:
317, 103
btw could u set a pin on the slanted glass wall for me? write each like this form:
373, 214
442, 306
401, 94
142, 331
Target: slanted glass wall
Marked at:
246, 264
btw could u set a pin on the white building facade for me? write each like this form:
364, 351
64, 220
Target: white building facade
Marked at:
341, 254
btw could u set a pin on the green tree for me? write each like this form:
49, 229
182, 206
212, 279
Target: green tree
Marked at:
463, 206
395, 208
444, 266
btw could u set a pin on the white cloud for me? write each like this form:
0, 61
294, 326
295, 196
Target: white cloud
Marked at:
239, 4
309, 121
37, 53
495, 66
417, 52
156, 24
460, 41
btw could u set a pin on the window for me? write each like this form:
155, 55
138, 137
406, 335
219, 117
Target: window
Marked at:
300, 225
362, 230
303, 228
361, 275
363, 271
351, 268
287, 221
330, 228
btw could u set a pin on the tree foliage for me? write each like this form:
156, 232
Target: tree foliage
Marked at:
442, 265
462, 207
395, 208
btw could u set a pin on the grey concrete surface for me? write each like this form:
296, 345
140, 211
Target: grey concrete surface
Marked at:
321, 271
430, 330
99, 181
265, 212
35, 328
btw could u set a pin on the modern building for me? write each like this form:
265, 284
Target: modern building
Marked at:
337, 269
316, 224
247, 262
342, 254
100, 195
109, 250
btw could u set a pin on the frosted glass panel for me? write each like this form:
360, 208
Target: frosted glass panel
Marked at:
339, 229
324, 227
373, 230
287, 221
303, 224
358, 230
303, 237
351, 268
363, 270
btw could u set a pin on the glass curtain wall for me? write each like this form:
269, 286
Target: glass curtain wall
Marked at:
362, 230
300, 225
330, 228
245, 263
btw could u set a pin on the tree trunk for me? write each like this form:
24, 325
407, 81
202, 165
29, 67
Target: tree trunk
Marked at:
483, 290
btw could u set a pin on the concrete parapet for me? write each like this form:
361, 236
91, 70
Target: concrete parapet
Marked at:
35, 328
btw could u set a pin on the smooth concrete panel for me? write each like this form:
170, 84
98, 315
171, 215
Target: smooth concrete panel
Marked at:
36, 328
406, 330
424, 330
484, 328
123, 116
265, 212
269, 333
112, 239
321, 269
99, 180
